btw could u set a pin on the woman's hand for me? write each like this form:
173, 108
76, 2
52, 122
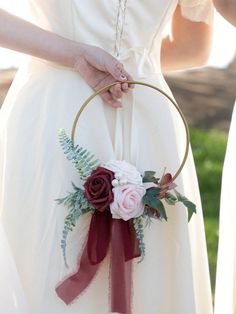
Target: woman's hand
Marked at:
99, 68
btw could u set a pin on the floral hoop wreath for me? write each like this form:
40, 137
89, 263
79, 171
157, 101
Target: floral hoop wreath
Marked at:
122, 203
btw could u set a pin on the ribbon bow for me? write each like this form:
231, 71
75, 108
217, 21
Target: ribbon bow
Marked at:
104, 231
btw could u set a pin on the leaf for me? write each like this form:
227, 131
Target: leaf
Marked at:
187, 203
170, 199
150, 199
83, 160
149, 176
151, 193
158, 205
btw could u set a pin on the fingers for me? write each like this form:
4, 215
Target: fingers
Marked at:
116, 91
125, 87
116, 69
120, 74
129, 77
114, 94
111, 96
109, 99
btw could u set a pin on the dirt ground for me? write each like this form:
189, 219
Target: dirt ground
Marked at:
206, 96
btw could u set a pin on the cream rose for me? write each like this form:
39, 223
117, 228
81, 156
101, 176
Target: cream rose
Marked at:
124, 172
127, 202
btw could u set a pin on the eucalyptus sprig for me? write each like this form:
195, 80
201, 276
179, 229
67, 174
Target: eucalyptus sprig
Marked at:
138, 226
78, 205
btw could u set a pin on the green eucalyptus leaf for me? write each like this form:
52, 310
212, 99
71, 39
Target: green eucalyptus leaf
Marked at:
139, 229
187, 203
150, 199
170, 199
158, 205
150, 194
149, 176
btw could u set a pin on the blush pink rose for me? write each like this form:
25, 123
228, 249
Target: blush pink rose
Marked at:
127, 202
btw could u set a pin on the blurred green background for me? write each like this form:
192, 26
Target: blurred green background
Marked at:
209, 150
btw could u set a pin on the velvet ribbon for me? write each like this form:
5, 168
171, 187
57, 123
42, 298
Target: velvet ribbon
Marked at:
104, 231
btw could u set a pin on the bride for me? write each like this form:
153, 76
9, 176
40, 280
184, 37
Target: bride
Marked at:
76, 47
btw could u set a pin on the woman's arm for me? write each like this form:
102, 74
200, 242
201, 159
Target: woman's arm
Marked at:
22, 36
227, 8
188, 46
96, 66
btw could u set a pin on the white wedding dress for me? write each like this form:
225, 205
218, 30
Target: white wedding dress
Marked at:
174, 276
225, 292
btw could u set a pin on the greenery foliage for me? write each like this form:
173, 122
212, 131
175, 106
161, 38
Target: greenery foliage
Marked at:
138, 226
208, 149
83, 160
77, 205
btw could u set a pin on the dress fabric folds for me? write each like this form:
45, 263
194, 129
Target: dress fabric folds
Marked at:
225, 299
147, 132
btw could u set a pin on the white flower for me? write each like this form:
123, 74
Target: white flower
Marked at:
124, 172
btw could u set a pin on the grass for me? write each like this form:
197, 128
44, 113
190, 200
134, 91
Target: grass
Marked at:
209, 151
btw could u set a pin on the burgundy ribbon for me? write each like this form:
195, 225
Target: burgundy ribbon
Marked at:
124, 247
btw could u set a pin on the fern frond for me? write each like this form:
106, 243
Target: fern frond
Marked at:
83, 160
78, 205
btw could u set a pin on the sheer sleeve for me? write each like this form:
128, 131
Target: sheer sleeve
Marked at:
197, 10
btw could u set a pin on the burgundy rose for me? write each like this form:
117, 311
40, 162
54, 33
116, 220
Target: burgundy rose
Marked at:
98, 188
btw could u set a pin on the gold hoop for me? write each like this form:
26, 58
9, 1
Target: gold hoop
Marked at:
153, 87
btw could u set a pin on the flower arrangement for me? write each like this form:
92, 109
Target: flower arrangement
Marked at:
117, 186
122, 202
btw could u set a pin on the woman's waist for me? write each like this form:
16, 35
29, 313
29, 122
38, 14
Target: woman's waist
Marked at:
138, 61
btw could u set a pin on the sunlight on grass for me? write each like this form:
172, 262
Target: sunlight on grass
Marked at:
209, 151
